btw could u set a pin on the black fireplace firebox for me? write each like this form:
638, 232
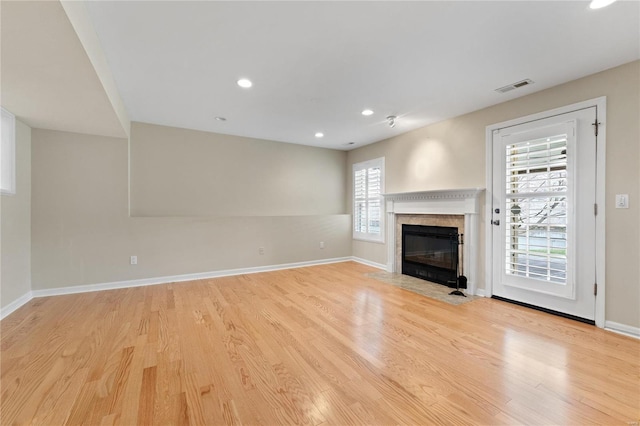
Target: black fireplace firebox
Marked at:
430, 253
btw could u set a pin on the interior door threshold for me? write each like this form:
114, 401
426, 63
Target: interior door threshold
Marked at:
548, 311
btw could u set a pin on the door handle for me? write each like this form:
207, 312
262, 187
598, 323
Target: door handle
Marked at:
495, 222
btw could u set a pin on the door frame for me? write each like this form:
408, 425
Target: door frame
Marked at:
601, 116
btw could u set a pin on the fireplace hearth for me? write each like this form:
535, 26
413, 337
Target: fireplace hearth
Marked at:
430, 253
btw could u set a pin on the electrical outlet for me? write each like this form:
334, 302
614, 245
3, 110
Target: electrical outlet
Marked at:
260, 250
321, 244
134, 260
622, 201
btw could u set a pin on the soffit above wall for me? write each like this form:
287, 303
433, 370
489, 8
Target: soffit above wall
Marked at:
47, 80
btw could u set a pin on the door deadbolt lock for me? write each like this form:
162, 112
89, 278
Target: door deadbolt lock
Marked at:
497, 211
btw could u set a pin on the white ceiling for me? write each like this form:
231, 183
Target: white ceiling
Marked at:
315, 65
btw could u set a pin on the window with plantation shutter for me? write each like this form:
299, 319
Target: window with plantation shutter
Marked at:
368, 187
537, 209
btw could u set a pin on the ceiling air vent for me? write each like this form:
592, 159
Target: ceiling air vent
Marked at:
513, 86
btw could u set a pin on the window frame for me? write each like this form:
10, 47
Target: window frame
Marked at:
8, 154
365, 165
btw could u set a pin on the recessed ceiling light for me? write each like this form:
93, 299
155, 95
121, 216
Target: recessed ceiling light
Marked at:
367, 112
598, 4
221, 119
245, 83
319, 135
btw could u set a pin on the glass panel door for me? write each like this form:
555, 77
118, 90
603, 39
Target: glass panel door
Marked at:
543, 221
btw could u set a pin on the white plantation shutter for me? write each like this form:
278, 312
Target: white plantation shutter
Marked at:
374, 192
368, 186
537, 209
360, 200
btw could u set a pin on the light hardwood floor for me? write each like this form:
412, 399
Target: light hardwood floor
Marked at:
318, 345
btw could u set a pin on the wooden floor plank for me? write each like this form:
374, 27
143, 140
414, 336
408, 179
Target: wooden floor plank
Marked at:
321, 345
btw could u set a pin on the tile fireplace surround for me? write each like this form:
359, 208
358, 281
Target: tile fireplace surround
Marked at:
455, 207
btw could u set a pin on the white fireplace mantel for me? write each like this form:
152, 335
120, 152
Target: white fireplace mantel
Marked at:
449, 202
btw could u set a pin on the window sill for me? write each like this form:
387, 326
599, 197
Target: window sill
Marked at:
369, 240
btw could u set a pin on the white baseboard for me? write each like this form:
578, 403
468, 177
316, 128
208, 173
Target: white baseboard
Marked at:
13, 306
627, 330
369, 263
480, 292
179, 278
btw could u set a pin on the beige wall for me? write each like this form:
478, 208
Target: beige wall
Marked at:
451, 154
82, 233
179, 172
15, 276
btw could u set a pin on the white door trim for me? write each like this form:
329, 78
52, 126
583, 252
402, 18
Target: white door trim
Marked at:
601, 114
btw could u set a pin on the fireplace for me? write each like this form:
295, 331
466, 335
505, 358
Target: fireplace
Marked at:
458, 208
430, 253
